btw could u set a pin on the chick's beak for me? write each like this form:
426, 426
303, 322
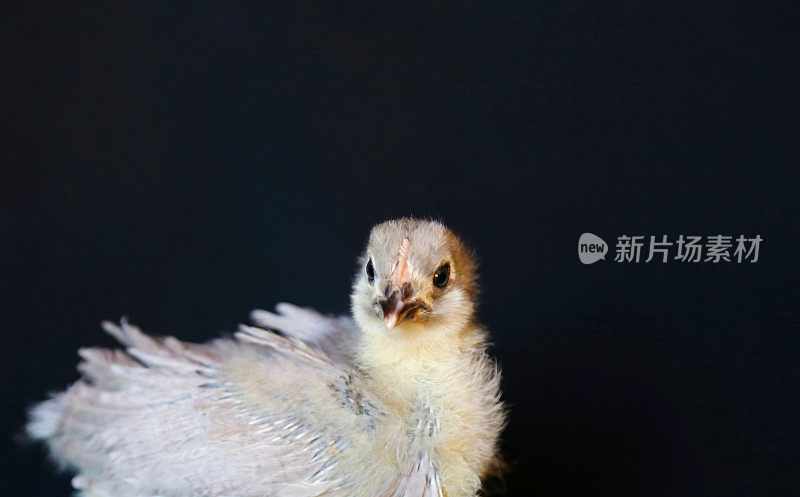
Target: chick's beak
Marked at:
397, 306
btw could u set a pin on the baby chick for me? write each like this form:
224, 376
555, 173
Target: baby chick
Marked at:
400, 401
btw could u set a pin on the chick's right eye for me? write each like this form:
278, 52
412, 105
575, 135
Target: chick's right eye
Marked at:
370, 271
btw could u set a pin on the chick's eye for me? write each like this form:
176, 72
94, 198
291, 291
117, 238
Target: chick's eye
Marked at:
442, 276
370, 272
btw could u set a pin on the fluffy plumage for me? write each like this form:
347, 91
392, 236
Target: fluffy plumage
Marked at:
402, 401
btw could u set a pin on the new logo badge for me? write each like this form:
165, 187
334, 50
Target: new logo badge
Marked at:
591, 248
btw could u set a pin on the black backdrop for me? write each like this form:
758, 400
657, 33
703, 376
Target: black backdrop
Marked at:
184, 163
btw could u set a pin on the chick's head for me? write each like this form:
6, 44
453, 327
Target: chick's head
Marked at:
414, 274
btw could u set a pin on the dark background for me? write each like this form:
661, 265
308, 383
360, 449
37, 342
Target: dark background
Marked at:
185, 163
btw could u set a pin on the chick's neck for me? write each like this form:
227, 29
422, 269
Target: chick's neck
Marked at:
408, 364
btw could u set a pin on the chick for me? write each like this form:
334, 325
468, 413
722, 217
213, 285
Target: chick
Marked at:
400, 401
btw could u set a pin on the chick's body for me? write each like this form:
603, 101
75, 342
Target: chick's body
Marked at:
402, 401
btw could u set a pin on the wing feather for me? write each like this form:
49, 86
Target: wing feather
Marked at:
335, 335
226, 416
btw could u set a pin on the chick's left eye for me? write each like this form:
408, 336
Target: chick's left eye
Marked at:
442, 276
370, 271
